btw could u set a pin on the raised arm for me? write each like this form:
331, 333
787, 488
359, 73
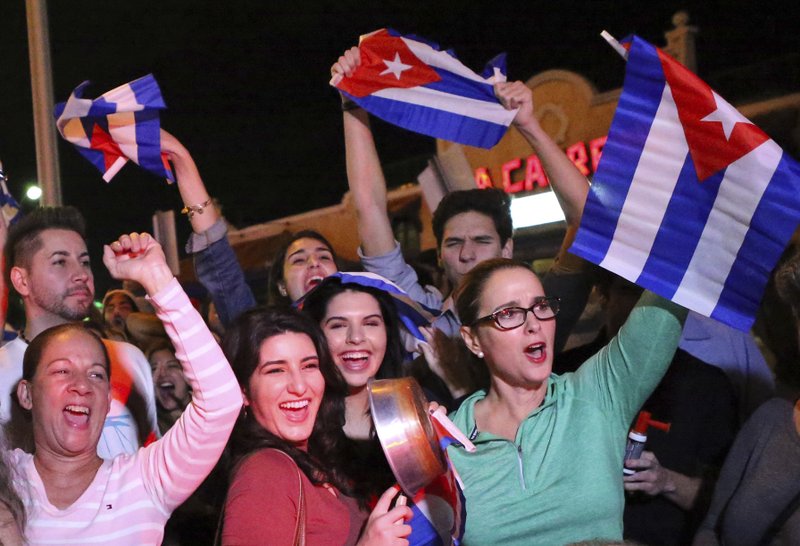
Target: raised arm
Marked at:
567, 278
200, 209
635, 360
569, 185
173, 467
364, 173
215, 263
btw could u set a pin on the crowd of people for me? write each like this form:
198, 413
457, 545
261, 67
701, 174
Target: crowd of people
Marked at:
149, 423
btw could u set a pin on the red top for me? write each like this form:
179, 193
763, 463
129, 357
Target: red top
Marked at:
262, 502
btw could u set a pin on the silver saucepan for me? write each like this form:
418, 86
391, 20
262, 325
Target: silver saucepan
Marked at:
400, 413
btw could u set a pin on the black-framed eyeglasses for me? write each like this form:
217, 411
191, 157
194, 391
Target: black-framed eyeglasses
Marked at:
508, 318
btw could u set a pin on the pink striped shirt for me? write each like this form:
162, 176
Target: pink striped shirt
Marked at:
132, 496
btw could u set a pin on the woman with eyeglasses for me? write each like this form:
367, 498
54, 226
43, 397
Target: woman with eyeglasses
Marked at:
548, 464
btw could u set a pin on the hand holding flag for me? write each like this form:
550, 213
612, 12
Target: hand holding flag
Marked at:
411, 83
119, 125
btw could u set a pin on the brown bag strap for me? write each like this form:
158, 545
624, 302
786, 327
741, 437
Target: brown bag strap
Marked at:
300, 524
300, 528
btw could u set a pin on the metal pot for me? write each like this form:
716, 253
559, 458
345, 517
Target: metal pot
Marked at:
400, 414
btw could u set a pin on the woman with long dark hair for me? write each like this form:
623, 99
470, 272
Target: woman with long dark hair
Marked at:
362, 331
287, 447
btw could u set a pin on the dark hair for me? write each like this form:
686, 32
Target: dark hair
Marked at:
494, 203
274, 296
242, 347
33, 353
787, 283
316, 305
23, 237
159, 344
125, 293
468, 294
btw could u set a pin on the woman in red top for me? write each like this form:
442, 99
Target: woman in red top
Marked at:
294, 413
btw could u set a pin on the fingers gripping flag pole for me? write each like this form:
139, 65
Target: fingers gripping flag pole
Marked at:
118, 126
410, 82
690, 199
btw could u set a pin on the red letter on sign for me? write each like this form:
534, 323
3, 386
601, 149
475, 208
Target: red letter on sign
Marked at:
482, 178
596, 150
577, 153
534, 174
508, 186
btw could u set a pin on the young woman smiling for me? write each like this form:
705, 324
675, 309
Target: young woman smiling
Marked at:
288, 446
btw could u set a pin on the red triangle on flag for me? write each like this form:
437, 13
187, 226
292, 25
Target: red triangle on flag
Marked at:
386, 62
103, 142
716, 133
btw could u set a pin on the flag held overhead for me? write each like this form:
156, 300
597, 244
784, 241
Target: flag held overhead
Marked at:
118, 126
411, 83
690, 200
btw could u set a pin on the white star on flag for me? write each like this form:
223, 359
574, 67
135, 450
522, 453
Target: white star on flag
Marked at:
395, 67
727, 115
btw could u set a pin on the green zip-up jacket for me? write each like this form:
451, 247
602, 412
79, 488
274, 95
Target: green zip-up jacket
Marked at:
560, 481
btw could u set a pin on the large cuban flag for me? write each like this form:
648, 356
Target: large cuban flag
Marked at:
409, 82
118, 126
690, 200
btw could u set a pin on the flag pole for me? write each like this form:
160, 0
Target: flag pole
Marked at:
615, 44
48, 171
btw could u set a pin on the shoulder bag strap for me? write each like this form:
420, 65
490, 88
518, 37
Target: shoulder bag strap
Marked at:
300, 524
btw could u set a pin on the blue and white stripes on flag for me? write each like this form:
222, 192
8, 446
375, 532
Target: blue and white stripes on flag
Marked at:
411, 313
118, 126
411, 83
690, 200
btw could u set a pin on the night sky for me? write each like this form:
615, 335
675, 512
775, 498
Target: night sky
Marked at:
246, 83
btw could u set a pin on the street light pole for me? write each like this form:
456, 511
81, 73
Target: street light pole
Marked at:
47, 167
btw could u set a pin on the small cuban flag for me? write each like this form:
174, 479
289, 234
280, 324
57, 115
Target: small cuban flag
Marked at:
690, 200
118, 126
411, 83
411, 313
439, 509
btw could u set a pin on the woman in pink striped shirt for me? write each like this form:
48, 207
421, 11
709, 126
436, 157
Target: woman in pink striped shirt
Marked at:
75, 497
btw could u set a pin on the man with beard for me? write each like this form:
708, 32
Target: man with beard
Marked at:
47, 264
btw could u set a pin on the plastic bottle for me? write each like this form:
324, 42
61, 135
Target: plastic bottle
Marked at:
637, 437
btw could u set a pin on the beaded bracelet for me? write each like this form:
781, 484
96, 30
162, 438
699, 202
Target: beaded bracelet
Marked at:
191, 210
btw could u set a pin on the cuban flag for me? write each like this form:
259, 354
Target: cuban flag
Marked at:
690, 200
411, 83
411, 313
439, 507
118, 126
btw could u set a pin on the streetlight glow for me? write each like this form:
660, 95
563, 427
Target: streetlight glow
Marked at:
33, 192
